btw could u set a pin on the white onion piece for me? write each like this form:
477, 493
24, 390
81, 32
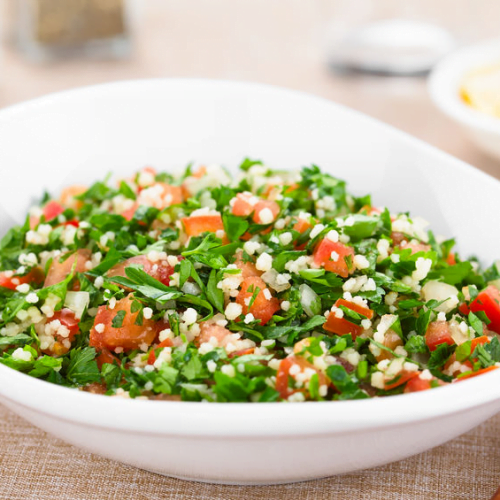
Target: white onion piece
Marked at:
309, 300
435, 290
77, 302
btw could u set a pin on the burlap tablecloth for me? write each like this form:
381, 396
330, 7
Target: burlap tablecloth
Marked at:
37, 466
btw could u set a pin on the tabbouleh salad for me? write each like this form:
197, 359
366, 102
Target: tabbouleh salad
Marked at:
275, 286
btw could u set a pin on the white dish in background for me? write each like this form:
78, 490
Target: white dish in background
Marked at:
79, 135
444, 84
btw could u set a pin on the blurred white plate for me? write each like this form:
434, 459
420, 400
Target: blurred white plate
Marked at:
82, 134
444, 84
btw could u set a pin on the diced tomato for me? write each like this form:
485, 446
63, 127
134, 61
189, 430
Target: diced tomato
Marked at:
417, 247
261, 308
52, 209
474, 343
464, 309
199, 224
401, 241
72, 222
467, 375
323, 257
370, 210
159, 270
478, 341
261, 205
152, 353
438, 332
342, 326
243, 352
243, 206
488, 301
416, 384
283, 375
67, 198
58, 271
129, 213
67, 318
397, 238
355, 307
302, 226
209, 330
391, 341
11, 281
151, 357
248, 269
105, 356
129, 336
165, 195
400, 379
451, 259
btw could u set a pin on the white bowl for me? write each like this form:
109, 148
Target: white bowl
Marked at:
444, 84
82, 134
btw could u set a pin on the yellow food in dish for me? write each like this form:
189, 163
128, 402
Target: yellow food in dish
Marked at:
480, 89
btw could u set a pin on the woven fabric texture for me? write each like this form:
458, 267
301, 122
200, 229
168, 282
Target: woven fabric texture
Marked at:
37, 466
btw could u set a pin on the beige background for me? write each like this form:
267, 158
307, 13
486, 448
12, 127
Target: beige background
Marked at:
279, 42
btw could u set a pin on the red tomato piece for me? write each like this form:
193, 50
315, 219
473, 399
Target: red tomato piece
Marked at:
52, 209
438, 332
302, 226
323, 257
199, 224
152, 353
209, 330
67, 318
370, 210
451, 260
129, 336
478, 341
67, 198
72, 222
417, 247
248, 269
243, 352
464, 309
165, 195
105, 356
161, 272
243, 206
401, 241
474, 343
342, 326
400, 379
467, 375
416, 384
283, 375
129, 213
11, 281
58, 271
261, 205
488, 301
262, 308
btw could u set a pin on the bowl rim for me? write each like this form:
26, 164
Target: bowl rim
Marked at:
242, 419
445, 78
